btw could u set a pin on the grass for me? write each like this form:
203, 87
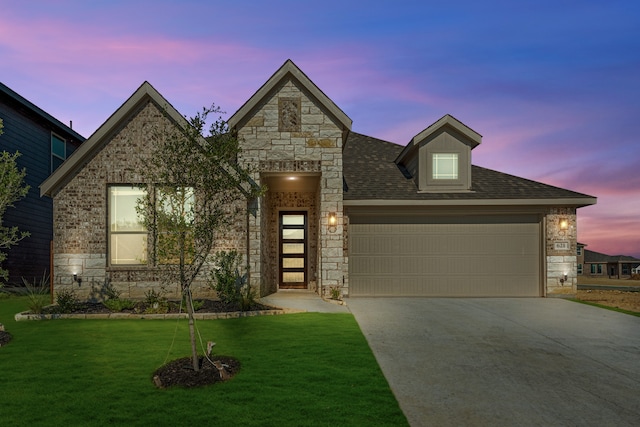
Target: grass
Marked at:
619, 310
307, 369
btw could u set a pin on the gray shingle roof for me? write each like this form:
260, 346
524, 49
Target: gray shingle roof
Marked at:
370, 173
597, 257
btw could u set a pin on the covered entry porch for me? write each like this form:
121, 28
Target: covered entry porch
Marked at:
290, 231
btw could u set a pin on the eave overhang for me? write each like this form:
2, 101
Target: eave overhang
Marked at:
572, 202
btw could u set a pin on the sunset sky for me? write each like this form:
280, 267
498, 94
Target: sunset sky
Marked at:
553, 86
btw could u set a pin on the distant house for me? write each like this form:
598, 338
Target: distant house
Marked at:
44, 143
342, 210
613, 266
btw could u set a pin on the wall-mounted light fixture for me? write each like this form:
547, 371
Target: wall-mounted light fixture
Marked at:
563, 279
333, 221
563, 223
77, 279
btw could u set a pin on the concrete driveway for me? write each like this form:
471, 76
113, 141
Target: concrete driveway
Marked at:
505, 362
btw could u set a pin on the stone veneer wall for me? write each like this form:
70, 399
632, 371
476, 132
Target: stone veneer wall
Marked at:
289, 132
80, 217
561, 251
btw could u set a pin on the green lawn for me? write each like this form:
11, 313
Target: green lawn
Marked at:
307, 369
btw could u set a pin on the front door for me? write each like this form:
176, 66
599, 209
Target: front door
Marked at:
293, 250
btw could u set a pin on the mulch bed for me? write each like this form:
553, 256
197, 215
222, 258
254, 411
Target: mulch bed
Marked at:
208, 306
5, 337
180, 373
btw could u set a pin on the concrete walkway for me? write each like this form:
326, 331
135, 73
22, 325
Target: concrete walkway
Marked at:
303, 300
505, 362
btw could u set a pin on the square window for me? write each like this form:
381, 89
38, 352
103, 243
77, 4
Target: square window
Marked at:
445, 166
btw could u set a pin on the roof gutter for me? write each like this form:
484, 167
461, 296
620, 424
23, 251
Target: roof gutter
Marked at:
576, 202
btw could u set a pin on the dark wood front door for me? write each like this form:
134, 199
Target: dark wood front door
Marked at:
293, 250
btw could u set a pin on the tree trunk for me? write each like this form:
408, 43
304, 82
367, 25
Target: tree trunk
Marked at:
192, 330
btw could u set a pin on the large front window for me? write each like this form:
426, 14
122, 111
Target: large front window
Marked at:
445, 166
127, 233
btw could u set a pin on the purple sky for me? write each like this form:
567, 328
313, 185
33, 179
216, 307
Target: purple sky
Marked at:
553, 86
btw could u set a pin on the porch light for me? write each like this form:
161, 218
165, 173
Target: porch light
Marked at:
76, 279
333, 221
332, 218
563, 223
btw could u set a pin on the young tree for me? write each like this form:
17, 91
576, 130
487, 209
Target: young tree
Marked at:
195, 196
11, 190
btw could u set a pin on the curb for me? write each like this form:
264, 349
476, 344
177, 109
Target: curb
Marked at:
25, 315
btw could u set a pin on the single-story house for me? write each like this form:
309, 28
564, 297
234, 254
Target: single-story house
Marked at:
613, 266
342, 209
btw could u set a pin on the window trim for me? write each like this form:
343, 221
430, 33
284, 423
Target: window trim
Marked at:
110, 232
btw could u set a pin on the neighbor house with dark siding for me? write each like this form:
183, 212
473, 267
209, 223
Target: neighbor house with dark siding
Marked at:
44, 143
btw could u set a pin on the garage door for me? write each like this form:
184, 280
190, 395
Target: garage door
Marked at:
444, 256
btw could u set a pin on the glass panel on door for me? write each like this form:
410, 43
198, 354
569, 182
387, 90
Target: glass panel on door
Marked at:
293, 250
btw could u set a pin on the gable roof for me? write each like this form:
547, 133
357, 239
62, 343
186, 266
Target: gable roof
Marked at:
27, 106
286, 71
86, 151
471, 137
597, 257
371, 177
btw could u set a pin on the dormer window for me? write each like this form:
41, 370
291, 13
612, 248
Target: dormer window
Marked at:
445, 166
439, 157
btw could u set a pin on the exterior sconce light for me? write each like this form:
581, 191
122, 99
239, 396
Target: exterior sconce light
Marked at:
333, 221
563, 223
76, 279
563, 279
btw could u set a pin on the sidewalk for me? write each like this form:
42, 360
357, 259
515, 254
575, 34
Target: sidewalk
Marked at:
303, 300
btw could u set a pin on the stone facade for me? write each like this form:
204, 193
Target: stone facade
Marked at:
561, 247
290, 132
80, 217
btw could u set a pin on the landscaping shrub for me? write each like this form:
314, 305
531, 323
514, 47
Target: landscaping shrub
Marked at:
67, 300
231, 286
156, 301
37, 293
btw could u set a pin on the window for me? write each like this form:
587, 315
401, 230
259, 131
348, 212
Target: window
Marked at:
445, 166
596, 268
127, 234
58, 151
579, 268
579, 251
175, 224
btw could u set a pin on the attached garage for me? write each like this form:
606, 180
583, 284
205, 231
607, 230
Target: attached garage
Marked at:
445, 256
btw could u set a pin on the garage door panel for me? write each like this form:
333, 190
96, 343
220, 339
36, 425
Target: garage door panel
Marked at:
442, 257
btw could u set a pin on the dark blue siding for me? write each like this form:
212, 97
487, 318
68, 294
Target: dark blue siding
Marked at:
31, 136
